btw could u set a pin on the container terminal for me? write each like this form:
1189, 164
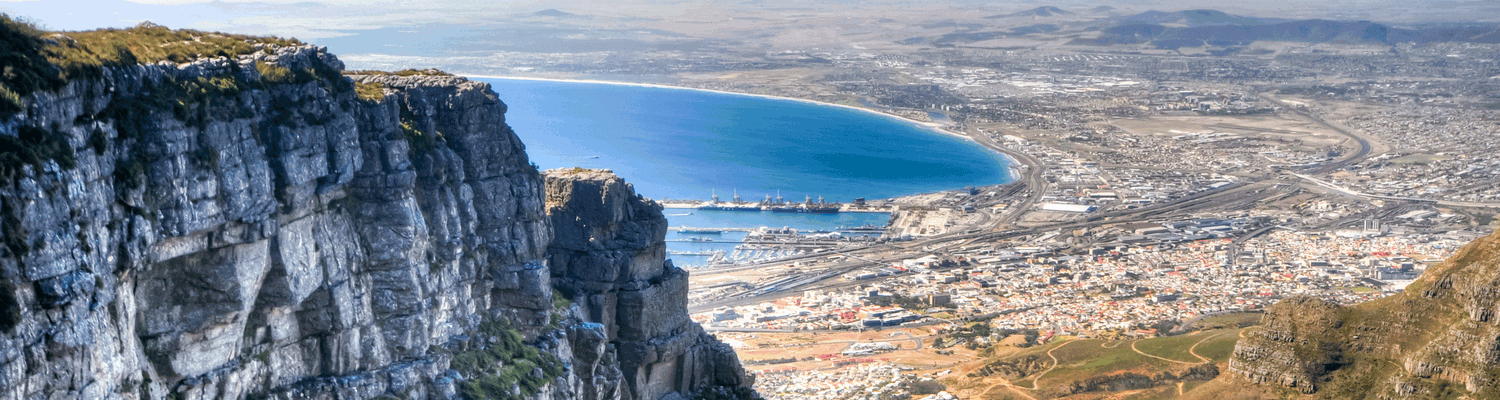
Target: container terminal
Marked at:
779, 204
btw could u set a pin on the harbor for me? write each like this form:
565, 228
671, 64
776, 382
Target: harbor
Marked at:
717, 237
779, 204
726, 247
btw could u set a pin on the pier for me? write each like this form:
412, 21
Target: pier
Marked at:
710, 231
778, 205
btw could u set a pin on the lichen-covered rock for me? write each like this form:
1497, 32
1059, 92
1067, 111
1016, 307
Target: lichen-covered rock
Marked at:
284, 238
1439, 335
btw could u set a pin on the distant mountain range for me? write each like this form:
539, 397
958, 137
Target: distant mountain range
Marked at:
1043, 11
1207, 27
1194, 18
553, 12
1204, 27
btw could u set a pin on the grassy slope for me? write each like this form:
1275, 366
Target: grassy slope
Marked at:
1080, 359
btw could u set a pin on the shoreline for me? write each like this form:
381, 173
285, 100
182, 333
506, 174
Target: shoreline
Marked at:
1011, 163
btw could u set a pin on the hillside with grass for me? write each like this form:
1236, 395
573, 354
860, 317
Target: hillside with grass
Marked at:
1092, 368
1436, 340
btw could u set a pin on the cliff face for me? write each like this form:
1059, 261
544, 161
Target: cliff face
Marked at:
282, 237
1438, 339
609, 255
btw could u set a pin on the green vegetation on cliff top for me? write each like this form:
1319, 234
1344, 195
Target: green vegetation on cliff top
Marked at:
38, 60
404, 72
372, 91
34, 60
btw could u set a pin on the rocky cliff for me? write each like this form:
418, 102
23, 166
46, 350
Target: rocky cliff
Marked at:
1438, 339
257, 225
609, 256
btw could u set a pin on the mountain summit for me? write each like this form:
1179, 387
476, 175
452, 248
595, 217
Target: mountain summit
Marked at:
1043, 11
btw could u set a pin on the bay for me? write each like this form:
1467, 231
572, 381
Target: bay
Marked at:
691, 144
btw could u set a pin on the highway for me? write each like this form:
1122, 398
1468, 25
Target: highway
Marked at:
1358, 155
1339, 189
1033, 181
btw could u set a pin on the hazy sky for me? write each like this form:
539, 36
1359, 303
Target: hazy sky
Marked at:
305, 19
327, 18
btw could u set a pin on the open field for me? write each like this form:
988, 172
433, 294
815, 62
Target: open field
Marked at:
1066, 364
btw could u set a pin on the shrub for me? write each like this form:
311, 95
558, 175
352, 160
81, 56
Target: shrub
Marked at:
36, 60
404, 72
33, 146
25, 68
98, 142
503, 362
926, 387
373, 91
151, 43
272, 73
10, 101
419, 141
132, 173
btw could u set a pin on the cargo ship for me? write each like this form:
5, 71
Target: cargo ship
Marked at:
823, 209
730, 207
779, 205
736, 205
861, 229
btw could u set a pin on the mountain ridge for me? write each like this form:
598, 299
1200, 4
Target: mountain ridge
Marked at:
1043, 11
1440, 333
1194, 28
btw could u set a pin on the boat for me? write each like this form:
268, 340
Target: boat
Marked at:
701, 239
823, 209
863, 228
729, 208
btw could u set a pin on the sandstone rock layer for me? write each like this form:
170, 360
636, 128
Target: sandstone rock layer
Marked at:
609, 255
290, 239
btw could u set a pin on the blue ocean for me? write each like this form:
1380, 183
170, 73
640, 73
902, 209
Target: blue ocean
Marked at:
690, 144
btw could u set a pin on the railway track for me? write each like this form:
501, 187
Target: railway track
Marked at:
1239, 194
